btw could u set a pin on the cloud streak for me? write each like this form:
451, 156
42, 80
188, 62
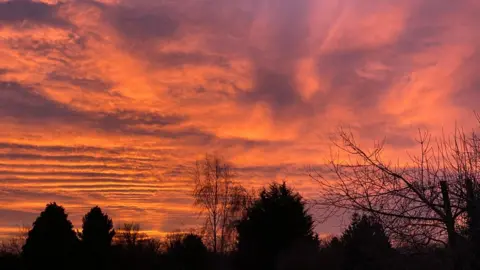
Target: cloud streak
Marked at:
25, 11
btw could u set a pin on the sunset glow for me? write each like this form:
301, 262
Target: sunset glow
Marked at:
109, 102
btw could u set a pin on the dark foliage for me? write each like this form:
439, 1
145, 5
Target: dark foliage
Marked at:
273, 225
134, 250
414, 258
276, 233
332, 254
9, 261
188, 253
51, 243
473, 231
97, 234
365, 244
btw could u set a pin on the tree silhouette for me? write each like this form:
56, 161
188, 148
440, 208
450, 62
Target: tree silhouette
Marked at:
332, 254
9, 261
420, 202
274, 223
52, 242
366, 246
97, 234
133, 248
130, 236
220, 198
473, 224
14, 245
187, 251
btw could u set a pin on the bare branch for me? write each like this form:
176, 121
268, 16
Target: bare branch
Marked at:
407, 198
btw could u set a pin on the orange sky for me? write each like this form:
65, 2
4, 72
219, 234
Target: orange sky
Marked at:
107, 102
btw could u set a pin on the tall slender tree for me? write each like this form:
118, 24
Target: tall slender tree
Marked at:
97, 234
220, 199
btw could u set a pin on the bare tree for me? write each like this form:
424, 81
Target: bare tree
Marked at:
152, 245
420, 202
130, 235
220, 199
14, 245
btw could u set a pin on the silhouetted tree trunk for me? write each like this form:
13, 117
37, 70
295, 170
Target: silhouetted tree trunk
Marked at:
473, 223
473, 212
450, 224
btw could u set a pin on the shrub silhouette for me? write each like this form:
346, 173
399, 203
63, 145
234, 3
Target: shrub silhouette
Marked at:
273, 225
130, 236
471, 229
366, 246
52, 242
276, 233
9, 261
97, 234
134, 249
188, 252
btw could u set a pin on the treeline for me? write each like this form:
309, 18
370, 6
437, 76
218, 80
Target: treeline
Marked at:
275, 232
424, 214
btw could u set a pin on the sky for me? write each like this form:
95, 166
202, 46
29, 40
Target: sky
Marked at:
109, 102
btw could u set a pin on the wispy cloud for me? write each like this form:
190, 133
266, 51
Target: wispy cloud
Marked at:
109, 102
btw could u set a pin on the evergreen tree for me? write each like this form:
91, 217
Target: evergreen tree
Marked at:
331, 254
97, 234
275, 223
52, 242
366, 246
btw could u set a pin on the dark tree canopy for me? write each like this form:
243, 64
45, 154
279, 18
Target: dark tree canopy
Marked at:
188, 252
332, 254
275, 223
473, 228
366, 246
52, 242
134, 249
275, 233
97, 230
97, 234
